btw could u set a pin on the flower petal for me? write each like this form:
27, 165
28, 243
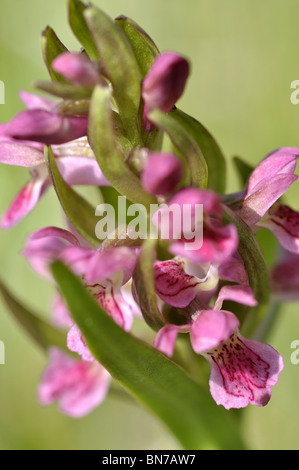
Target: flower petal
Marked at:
20, 154
78, 386
76, 343
166, 81
46, 127
256, 205
27, 199
77, 68
211, 328
240, 294
243, 372
162, 173
80, 171
177, 288
284, 224
166, 338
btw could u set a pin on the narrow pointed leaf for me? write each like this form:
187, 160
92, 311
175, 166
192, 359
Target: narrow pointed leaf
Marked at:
79, 212
44, 334
67, 91
185, 143
111, 160
52, 47
210, 150
257, 270
184, 406
120, 67
80, 29
143, 46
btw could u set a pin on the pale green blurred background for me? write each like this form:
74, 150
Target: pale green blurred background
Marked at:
244, 55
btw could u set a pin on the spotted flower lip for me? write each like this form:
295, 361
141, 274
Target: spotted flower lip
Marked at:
242, 370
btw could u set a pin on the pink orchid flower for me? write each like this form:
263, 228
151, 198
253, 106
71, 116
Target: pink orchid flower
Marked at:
104, 272
161, 173
164, 84
78, 386
242, 370
219, 242
77, 68
267, 183
75, 162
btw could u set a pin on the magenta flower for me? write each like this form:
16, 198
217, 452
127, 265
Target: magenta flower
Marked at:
164, 84
77, 68
218, 242
104, 272
162, 173
75, 162
242, 371
177, 288
40, 123
77, 386
267, 183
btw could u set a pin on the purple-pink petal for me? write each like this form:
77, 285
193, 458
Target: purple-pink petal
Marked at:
76, 68
20, 154
33, 101
26, 200
77, 171
76, 343
284, 224
165, 339
162, 173
237, 293
77, 386
173, 285
267, 193
165, 82
281, 161
46, 127
243, 372
211, 328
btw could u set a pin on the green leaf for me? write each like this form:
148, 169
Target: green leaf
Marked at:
244, 170
111, 160
120, 67
209, 148
67, 91
80, 29
44, 334
257, 270
144, 285
163, 387
143, 46
184, 141
52, 47
79, 212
